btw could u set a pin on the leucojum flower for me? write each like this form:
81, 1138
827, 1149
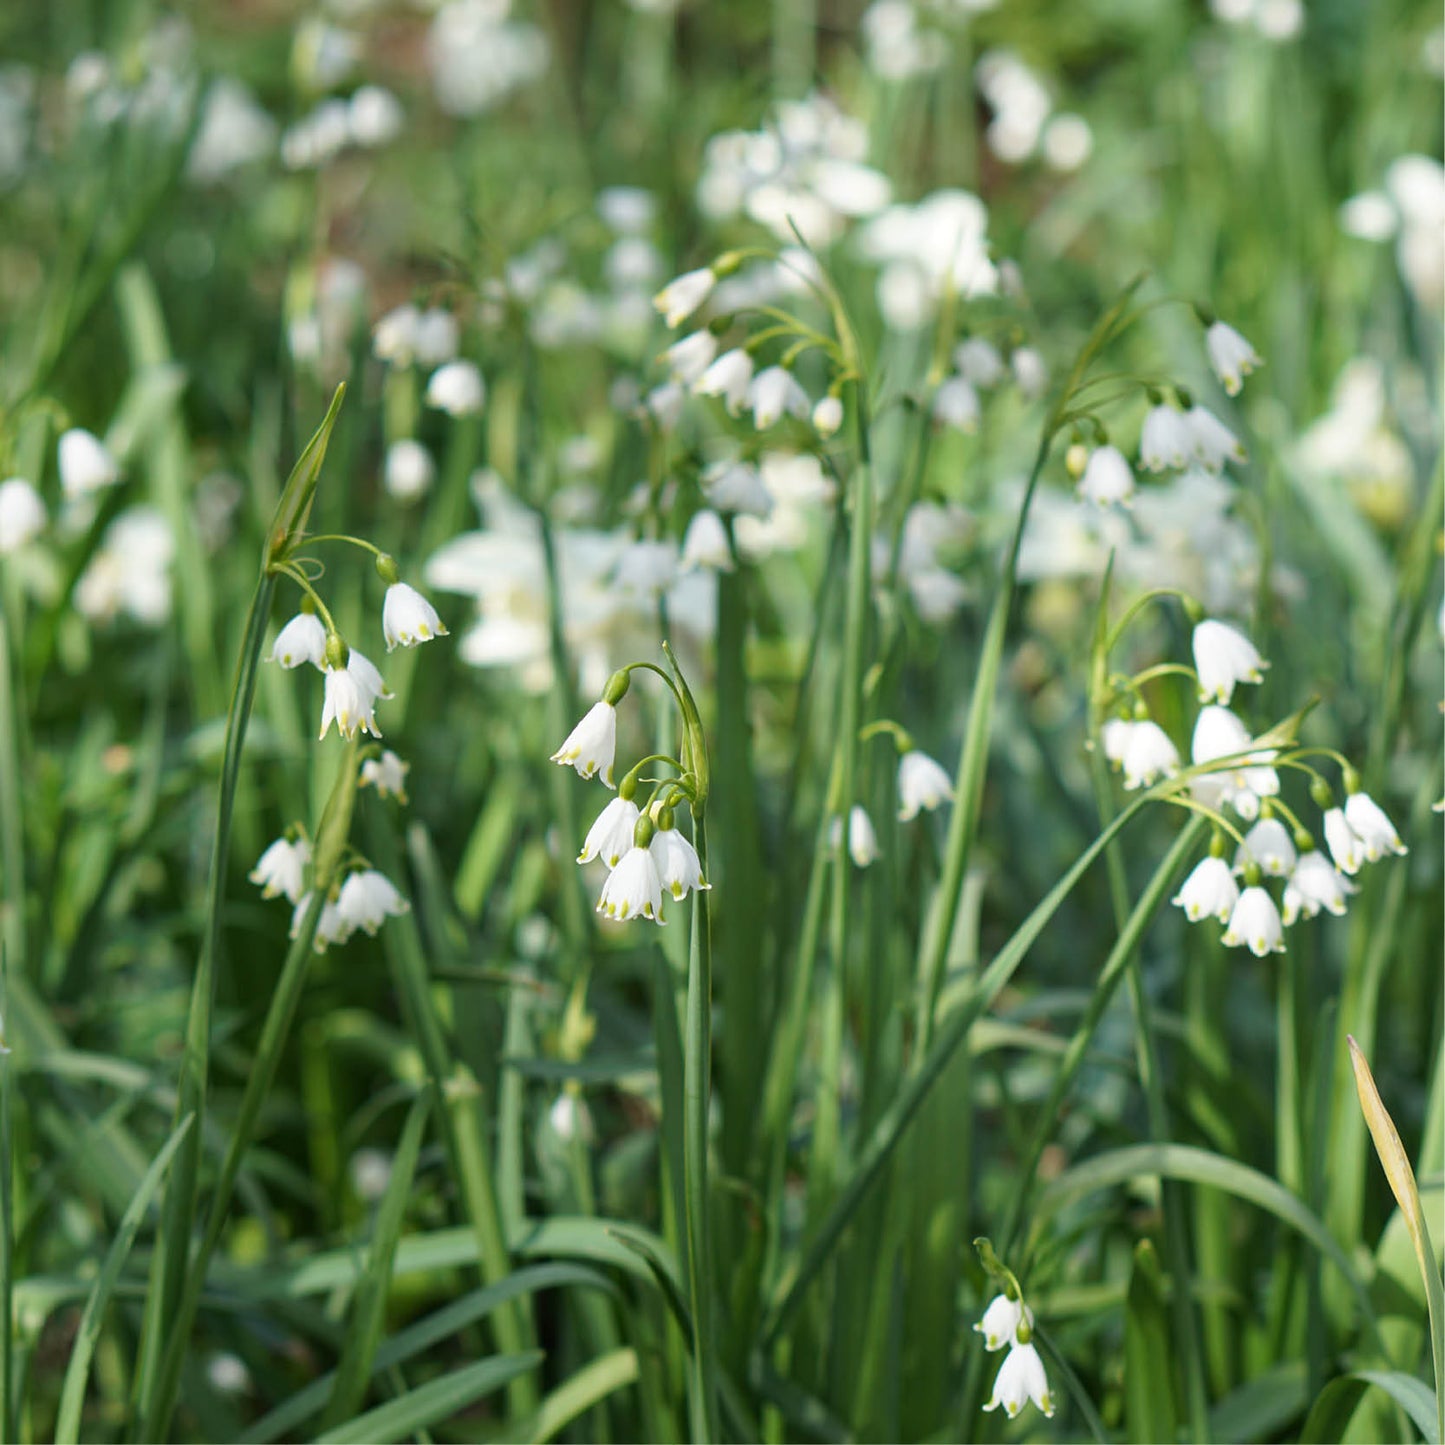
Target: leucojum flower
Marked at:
649, 859
1008, 1323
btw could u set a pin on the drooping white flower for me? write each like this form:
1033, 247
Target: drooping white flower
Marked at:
1114, 736
1108, 479
828, 415
303, 639
22, 514
684, 294
374, 116
610, 836
922, 783
409, 470
1031, 371
282, 869
393, 338
407, 618
367, 899
1231, 356
1345, 845
737, 486
351, 696
1315, 883
633, 889
978, 362
773, 392
591, 746
1148, 754
457, 388
689, 358
862, 840
86, 467
1021, 1378
331, 927
1375, 831
1224, 656
678, 865
1218, 733
727, 377
368, 676
999, 1321
705, 544
1167, 441
1269, 845
1255, 923
663, 405
1209, 892
387, 774
1212, 443
956, 404
437, 336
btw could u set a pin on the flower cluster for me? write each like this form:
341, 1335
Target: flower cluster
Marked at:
1021, 1377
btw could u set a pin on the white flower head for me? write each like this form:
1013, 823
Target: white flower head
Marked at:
689, 359
862, 840
611, 835
678, 865
393, 338
367, 899
351, 696
86, 466
1315, 883
1269, 845
1114, 736
1231, 356
457, 388
282, 869
1224, 656
1167, 441
828, 415
1375, 831
409, 470
1209, 892
956, 404
705, 544
331, 927
727, 377
1343, 842
737, 486
1021, 1378
1000, 1321
387, 774
1255, 923
408, 618
1031, 371
1212, 443
922, 783
303, 639
978, 362
1218, 733
591, 746
684, 294
1148, 754
773, 392
22, 514
633, 888
1108, 480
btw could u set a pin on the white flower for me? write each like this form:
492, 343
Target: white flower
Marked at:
979, 362
633, 888
1231, 356
374, 116
1224, 656
457, 388
1213, 443
1218, 733
1315, 883
678, 865
663, 405
408, 618
1031, 371
728, 378
705, 544
611, 835
734, 486
1209, 892
1269, 845
684, 294
387, 774
393, 338
351, 695
1375, 831
772, 392
1167, 439
282, 868
1114, 736
409, 470
331, 927
1021, 1378
1255, 922
1149, 754
922, 783
437, 336
862, 840
955, 404
828, 415
303, 639
22, 514
591, 746
85, 465
999, 1321
1345, 845
367, 899
1107, 479
689, 359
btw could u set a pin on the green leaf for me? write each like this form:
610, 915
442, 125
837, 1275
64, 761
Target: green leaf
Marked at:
1148, 1368
1337, 1402
593, 1382
1261, 1408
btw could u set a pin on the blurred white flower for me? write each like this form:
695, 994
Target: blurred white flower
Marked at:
736, 486
1369, 216
375, 116
705, 543
1345, 845
956, 404
684, 294
478, 57
1167, 440
367, 899
1148, 754
689, 359
828, 415
131, 570
1031, 372
628, 210
979, 362
1230, 355
435, 337
1068, 142
234, 131
1315, 883
775, 392
86, 466
1020, 103
1213, 443
282, 869
409, 470
387, 774
862, 840
393, 338
1375, 831
922, 784
457, 389
331, 927
323, 55
22, 514
1108, 480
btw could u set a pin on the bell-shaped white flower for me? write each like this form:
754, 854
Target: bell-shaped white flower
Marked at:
22, 514
331, 927
922, 783
773, 392
1255, 924
1212, 443
1114, 737
393, 338
663, 405
736, 486
409, 470
1218, 733
1224, 656
387, 774
728, 378
633, 888
1269, 845
1166, 442
1021, 1378
684, 294
282, 869
407, 618
1315, 883
979, 362
437, 336
1375, 831
457, 388
1148, 754
303, 639
591, 746
351, 696
1345, 845
86, 466
705, 544
862, 840
367, 899
1209, 892
689, 358
1108, 480
1230, 355
678, 865
828, 415
1031, 372
368, 676
611, 835
999, 1321
956, 404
